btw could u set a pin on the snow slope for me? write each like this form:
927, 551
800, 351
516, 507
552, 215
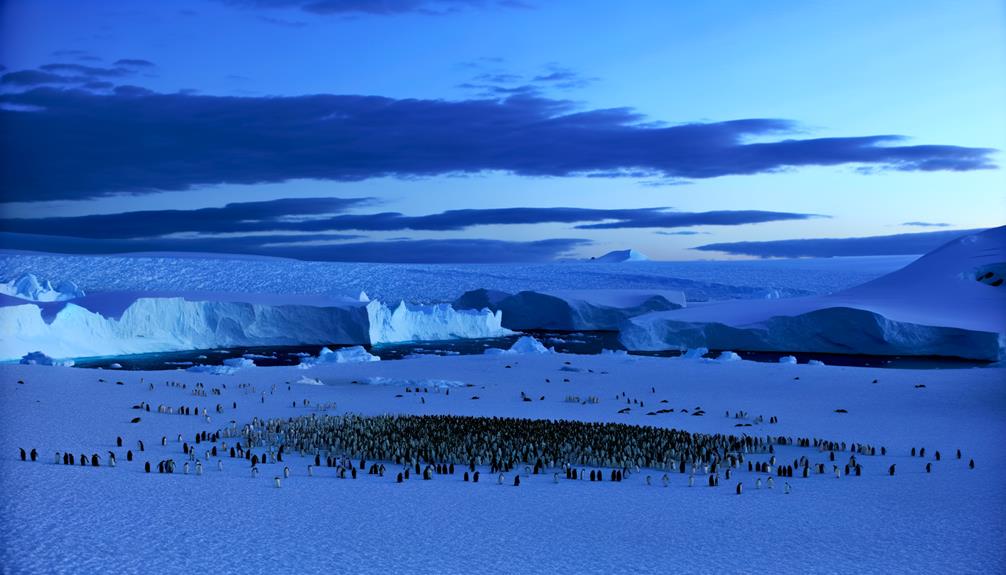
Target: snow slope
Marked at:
571, 310
60, 519
171, 324
934, 306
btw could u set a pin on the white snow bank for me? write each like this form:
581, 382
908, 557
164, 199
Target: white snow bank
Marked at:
727, 356
354, 354
789, 359
408, 382
305, 380
572, 310
430, 323
39, 358
937, 305
30, 287
524, 345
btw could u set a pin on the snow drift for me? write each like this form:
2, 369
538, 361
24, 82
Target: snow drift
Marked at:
942, 304
570, 310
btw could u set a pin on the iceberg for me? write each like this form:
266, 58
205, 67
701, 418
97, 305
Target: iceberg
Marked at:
571, 310
524, 345
355, 354
430, 323
39, 358
155, 324
30, 287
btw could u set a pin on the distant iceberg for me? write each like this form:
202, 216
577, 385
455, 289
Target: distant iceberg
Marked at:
30, 287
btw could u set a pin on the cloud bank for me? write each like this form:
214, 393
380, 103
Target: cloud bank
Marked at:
900, 244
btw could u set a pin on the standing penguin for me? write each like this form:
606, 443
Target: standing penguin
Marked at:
24, 455
786, 488
665, 480
971, 464
199, 468
890, 470
310, 471
59, 458
33, 455
276, 479
555, 477
740, 487
146, 467
929, 467
475, 477
516, 480
286, 472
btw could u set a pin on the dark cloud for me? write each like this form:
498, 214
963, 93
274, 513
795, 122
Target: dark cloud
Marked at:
900, 244
372, 7
134, 63
38, 78
90, 71
926, 224
138, 143
400, 251
317, 215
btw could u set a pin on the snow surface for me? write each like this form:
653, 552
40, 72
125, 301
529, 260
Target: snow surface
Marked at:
30, 287
934, 306
95, 520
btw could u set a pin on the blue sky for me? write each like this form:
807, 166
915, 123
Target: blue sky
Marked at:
831, 77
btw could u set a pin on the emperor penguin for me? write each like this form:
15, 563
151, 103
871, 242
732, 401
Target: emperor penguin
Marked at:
665, 479
740, 487
277, 480
286, 472
786, 488
199, 468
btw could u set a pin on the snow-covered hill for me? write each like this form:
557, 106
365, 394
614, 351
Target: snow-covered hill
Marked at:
941, 304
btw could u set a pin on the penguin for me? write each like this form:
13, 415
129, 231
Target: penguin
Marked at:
33, 455
254, 472
59, 458
310, 471
758, 483
770, 482
286, 472
466, 476
937, 455
24, 454
500, 480
691, 480
140, 444
276, 479
740, 487
220, 465
929, 467
786, 488
665, 480
129, 455
516, 480
111, 459
118, 441
890, 470
958, 454
475, 477
971, 464
94, 460
555, 477
146, 467
399, 478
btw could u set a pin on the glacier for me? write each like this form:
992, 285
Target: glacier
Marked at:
151, 324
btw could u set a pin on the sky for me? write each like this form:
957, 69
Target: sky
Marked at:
500, 130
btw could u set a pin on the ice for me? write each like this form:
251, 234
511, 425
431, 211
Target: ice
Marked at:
524, 345
62, 519
572, 310
430, 323
30, 287
414, 383
788, 359
935, 306
727, 356
356, 353
39, 358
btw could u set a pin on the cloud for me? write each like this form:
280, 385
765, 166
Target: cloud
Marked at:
654, 219
90, 71
681, 233
399, 251
139, 143
926, 224
318, 215
372, 7
562, 77
900, 244
134, 63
